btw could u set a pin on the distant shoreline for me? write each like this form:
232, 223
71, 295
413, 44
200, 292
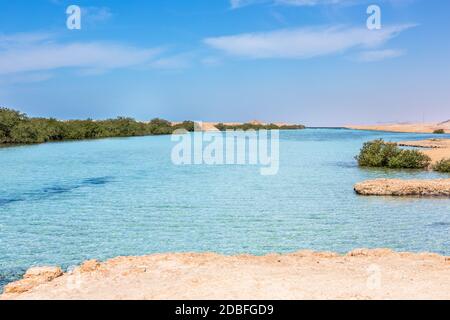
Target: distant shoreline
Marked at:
404, 128
16, 128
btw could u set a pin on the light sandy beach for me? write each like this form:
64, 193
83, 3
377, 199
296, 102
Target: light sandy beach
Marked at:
361, 274
436, 149
405, 127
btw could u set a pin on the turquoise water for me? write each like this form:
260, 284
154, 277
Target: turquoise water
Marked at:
63, 203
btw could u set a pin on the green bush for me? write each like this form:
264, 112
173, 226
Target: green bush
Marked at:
187, 125
8, 120
388, 155
442, 166
439, 131
28, 132
409, 159
377, 153
221, 127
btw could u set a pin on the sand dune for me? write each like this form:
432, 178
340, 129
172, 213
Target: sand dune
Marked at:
406, 127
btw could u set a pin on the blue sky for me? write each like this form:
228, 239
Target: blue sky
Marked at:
304, 61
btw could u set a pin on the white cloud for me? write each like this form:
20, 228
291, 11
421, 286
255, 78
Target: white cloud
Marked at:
378, 55
25, 78
235, 4
303, 42
308, 2
73, 55
24, 53
177, 61
22, 39
94, 15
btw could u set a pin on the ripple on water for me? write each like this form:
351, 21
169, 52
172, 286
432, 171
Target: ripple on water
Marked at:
63, 203
56, 189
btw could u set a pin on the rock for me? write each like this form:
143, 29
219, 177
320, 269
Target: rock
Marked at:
359, 253
33, 278
326, 254
370, 252
396, 187
89, 266
314, 254
429, 143
48, 273
20, 286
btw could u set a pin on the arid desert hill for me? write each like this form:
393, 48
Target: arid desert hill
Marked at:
405, 127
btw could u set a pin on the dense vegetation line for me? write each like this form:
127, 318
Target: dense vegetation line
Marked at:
251, 126
18, 128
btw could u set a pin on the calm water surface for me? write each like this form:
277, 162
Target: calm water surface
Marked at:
63, 203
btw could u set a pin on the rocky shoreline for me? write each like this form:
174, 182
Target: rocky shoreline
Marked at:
398, 187
429, 143
360, 274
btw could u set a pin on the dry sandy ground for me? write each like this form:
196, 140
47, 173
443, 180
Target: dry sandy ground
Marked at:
407, 127
436, 149
361, 274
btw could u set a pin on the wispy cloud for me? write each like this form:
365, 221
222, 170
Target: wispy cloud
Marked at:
302, 3
93, 15
40, 52
176, 61
303, 42
378, 55
22, 39
235, 4
26, 78
73, 55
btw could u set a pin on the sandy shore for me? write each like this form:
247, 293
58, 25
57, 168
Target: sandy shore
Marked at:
406, 127
361, 274
436, 149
